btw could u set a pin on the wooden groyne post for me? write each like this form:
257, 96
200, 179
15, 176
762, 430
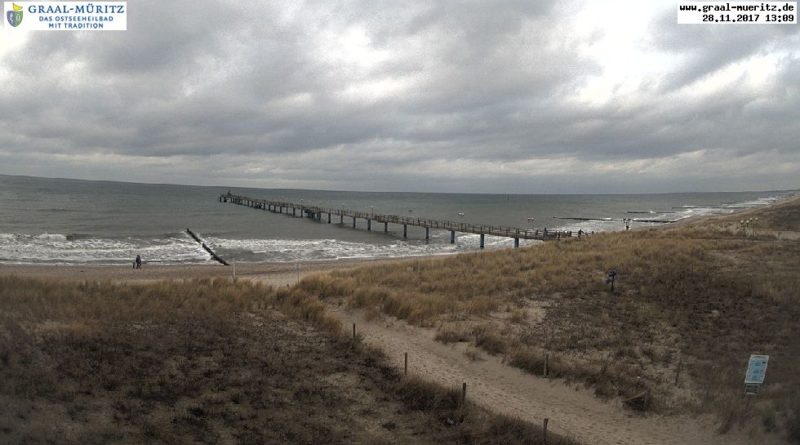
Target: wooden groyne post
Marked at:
206, 248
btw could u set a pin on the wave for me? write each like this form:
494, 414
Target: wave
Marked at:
52, 237
730, 207
180, 249
81, 249
653, 218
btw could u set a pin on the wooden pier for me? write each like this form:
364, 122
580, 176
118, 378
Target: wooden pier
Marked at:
315, 212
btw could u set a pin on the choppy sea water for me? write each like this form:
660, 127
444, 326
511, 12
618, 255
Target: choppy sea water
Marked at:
62, 221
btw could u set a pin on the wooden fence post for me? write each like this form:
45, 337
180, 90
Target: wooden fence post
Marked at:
405, 365
463, 393
354, 331
546, 370
544, 430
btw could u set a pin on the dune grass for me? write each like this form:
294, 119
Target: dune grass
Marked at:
209, 361
691, 304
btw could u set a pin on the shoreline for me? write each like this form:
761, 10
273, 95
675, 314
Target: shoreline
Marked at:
795, 196
273, 273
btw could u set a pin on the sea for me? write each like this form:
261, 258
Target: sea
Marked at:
68, 221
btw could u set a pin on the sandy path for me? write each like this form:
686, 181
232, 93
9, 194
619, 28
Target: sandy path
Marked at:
504, 389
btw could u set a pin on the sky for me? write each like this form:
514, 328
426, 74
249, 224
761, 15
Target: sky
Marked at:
460, 96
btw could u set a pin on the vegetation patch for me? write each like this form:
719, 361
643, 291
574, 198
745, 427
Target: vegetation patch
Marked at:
209, 361
691, 303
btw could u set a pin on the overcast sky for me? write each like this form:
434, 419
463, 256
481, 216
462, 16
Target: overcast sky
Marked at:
486, 96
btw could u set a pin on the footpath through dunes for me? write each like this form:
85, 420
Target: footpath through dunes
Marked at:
209, 361
572, 411
691, 304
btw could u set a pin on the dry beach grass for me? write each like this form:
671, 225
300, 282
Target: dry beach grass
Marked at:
691, 304
209, 361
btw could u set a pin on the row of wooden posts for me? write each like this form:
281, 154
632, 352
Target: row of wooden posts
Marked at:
641, 397
464, 386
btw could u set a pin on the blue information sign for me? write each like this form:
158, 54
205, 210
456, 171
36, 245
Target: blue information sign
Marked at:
756, 369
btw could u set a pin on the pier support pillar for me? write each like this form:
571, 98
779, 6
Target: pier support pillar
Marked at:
516, 242
329, 217
293, 211
341, 218
386, 227
452, 237
482, 236
354, 222
405, 230
369, 224
427, 233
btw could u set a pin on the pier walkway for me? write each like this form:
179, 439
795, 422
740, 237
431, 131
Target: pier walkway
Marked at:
317, 213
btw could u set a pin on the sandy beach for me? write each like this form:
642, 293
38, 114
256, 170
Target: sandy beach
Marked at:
275, 274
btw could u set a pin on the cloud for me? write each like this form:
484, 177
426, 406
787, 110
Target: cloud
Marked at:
371, 95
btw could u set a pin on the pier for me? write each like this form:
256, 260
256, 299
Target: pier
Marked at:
320, 213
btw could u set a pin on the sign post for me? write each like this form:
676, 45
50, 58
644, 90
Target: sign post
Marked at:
756, 371
610, 278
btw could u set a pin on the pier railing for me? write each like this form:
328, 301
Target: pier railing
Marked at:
453, 226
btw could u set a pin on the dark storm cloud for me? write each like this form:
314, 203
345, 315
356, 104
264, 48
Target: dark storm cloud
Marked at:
479, 96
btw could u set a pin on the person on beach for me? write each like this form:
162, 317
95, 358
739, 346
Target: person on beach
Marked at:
138, 264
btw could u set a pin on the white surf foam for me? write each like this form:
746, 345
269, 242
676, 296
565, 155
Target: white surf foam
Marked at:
59, 249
